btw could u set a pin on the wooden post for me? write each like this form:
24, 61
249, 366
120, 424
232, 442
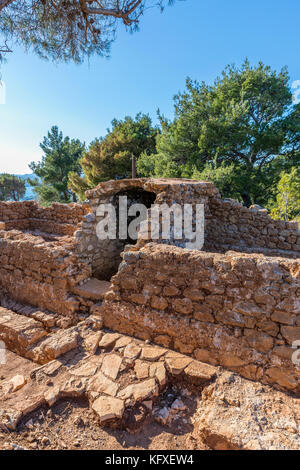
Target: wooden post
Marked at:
133, 167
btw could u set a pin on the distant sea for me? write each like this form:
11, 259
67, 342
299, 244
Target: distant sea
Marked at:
30, 194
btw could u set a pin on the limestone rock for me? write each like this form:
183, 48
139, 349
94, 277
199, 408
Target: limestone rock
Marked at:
52, 395
108, 340
54, 346
184, 306
84, 370
123, 342
111, 365
92, 289
108, 408
92, 341
19, 332
158, 303
141, 391
176, 365
14, 384
199, 372
132, 351
158, 371
152, 353
141, 369
101, 384
291, 333
235, 413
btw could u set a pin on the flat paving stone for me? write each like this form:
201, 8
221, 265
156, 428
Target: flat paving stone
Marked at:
93, 289
176, 365
85, 370
108, 340
92, 342
132, 351
199, 371
152, 353
108, 408
111, 365
141, 369
140, 391
101, 384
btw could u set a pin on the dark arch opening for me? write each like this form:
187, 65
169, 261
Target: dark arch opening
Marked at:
110, 260
134, 196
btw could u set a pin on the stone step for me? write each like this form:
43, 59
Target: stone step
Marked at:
48, 319
28, 337
19, 332
53, 346
93, 289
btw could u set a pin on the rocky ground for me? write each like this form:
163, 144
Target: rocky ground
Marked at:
112, 391
70, 424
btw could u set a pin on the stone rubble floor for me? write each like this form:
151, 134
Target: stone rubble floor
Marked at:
122, 390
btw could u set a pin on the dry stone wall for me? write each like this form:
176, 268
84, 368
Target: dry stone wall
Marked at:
37, 263
104, 255
228, 224
15, 215
237, 310
40, 273
29, 215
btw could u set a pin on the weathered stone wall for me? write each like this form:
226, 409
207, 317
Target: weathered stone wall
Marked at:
29, 215
232, 308
40, 273
15, 215
15, 210
58, 218
104, 255
228, 224
236, 310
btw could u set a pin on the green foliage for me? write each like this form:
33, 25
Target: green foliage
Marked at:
288, 197
156, 166
228, 179
242, 133
12, 188
110, 157
245, 119
61, 156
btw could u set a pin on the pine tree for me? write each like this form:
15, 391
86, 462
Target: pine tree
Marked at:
111, 157
61, 156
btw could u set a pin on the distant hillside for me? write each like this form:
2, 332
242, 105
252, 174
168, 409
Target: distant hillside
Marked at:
30, 194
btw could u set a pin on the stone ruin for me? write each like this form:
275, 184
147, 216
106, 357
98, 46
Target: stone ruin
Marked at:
232, 305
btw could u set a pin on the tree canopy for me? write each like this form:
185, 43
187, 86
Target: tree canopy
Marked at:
12, 188
244, 120
61, 155
111, 156
287, 204
66, 30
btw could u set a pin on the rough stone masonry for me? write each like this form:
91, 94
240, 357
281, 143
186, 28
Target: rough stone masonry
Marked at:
235, 303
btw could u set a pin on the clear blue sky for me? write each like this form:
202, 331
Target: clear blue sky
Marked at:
193, 38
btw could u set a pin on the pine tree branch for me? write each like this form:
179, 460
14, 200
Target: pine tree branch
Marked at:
5, 3
123, 14
5, 48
